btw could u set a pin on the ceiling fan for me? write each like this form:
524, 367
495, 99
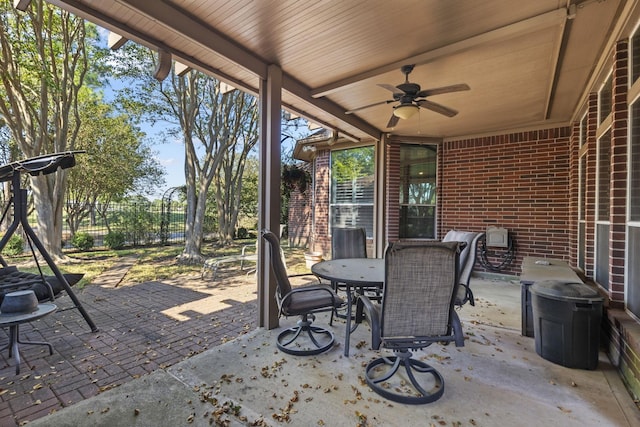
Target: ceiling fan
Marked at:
408, 94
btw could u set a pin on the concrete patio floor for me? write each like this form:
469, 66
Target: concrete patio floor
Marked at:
496, 379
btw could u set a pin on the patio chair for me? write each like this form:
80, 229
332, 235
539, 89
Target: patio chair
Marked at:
417, 310
466, 262
303, 301
347, 242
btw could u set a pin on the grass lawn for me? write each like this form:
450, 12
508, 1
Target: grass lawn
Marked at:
153, 263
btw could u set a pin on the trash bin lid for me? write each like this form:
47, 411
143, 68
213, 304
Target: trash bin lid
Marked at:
565, 291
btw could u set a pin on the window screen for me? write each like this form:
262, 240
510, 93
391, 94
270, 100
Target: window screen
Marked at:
352, 188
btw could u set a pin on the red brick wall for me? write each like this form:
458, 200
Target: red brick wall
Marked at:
619, 134
517, 181
299, 224
590, 193
320, 241
574, 147
622, 332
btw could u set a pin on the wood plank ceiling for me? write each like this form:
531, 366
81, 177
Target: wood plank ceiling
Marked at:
527, 65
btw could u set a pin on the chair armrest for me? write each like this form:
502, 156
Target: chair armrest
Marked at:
313, 288
365, 308
319, 279
309, 288
244, 249
302, 275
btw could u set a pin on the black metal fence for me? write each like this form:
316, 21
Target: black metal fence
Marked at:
141, 223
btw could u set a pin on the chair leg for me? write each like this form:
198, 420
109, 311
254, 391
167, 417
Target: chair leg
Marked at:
291, 340
457, 330
418, 383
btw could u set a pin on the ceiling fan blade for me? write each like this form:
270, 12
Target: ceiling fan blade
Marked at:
449, 112
393, 121
370, 105
393, 89
445, 89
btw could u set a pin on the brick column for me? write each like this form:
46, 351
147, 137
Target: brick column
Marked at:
619, 146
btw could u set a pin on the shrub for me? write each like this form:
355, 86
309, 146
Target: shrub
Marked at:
15, 246
82, 241
242, 233
138, 224
114, 240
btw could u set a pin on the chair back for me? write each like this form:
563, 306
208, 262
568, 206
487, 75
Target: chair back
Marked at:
348, 243
277, 264
467, 259
420, 285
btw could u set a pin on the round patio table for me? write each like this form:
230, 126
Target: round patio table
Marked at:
358, 274
14, 320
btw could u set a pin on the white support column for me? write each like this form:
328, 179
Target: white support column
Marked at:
269, 190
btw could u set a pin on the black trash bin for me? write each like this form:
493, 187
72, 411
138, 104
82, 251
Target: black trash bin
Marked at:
567, 319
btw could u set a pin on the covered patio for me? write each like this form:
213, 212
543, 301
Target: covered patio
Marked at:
551, 83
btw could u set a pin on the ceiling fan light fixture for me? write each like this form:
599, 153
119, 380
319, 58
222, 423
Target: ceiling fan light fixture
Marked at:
405, 111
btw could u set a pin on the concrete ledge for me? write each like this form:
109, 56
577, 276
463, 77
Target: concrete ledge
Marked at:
622, 341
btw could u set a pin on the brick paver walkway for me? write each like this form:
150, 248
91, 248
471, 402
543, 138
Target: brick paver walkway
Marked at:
142, 328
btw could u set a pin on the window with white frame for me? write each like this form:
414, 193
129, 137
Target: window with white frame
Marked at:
635, 57
418, 166
633, 213
605, 96
603, 189
352, 188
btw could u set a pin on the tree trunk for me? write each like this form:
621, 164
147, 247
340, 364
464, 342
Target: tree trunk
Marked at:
48, 202
196, 200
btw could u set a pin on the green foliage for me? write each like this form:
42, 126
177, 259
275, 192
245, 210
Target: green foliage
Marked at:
295, 177
249, 193
242, 233
138, 223
82, 241
347, 165
114, 240
15, 246
116, 162
47, 56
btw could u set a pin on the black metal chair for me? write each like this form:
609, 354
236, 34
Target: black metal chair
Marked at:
301, 301
421, 280
347, 242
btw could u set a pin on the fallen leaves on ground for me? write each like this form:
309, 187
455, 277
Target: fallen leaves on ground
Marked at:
284, 414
